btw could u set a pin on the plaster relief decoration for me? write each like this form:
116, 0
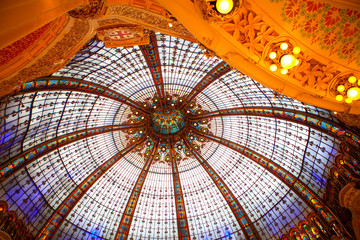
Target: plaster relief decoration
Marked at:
67, 44
209, 11
25, 50
335, 31
90, 11
147, 19
120, 36
350, 198
12, 51
250, 30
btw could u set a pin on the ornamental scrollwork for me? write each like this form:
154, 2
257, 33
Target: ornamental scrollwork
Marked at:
90, 11
53, 59
167, 23
249, 29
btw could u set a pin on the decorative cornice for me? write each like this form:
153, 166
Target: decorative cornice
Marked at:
149, 20
90, 11
73, 37
250, 30
11, 52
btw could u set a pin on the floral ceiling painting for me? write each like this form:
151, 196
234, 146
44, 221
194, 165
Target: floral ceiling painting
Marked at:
332, 30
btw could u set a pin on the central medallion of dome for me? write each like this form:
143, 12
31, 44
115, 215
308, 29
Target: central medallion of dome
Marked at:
167, 120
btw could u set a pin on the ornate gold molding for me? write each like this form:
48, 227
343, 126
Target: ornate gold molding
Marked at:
23, 51
146, 19
350, 198
123, 35
76, 34
90, 11
207, 11
250, 30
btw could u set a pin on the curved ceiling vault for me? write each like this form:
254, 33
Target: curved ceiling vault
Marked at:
160, 142
327, 33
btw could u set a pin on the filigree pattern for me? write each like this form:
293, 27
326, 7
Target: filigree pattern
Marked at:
90, 11
149, 19
334, 29
314, 74
249, 29
53, 60
17, 48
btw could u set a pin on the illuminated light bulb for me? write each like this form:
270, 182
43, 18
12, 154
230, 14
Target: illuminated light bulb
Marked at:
288, 61
297, 62
359, 82
341, 88
170, 25
284, 71
352, 79
335, 112
273, 67
283, 46
353, 93
339, 98
272, 55
224, 6
296, 50
348, 100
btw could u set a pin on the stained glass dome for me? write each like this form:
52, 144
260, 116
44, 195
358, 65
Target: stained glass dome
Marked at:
160, 142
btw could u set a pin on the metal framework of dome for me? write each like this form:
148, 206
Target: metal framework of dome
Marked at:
159, 142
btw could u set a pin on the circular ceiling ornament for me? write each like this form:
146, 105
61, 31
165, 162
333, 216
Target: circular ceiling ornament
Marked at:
167, 124
167, 120
159, 142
